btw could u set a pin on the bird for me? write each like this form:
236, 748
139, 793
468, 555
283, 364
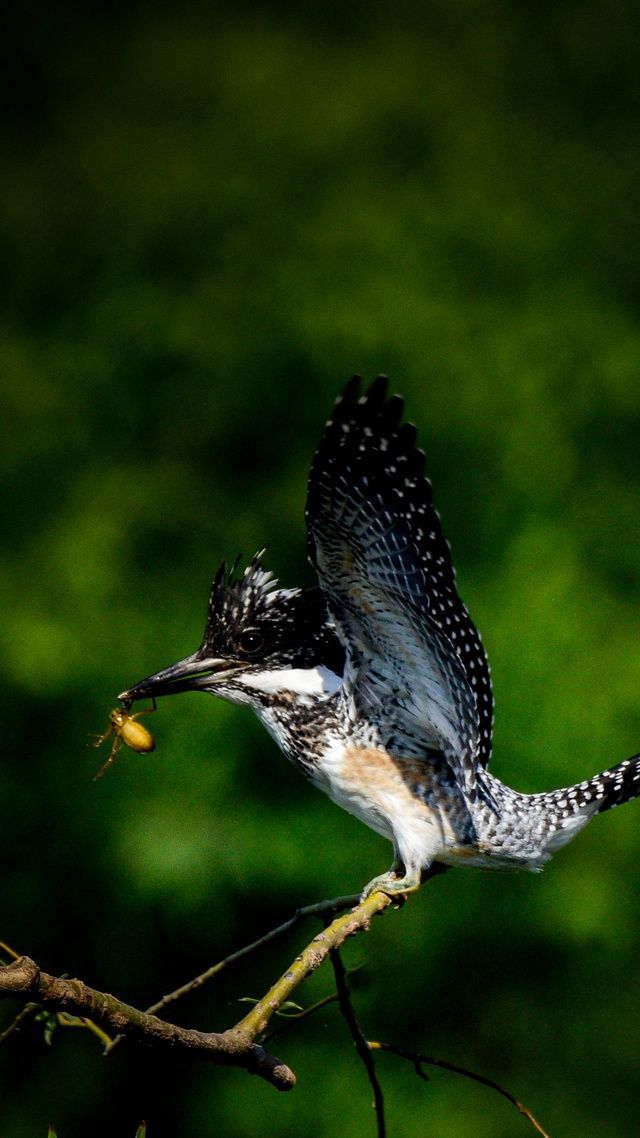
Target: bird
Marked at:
374, 682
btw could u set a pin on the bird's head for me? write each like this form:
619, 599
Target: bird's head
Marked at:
259, 640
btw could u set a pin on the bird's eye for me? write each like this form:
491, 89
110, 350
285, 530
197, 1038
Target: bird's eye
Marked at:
250, 643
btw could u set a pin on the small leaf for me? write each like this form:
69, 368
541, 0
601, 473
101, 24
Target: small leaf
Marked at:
51, 1024
51, 1133
141, 1132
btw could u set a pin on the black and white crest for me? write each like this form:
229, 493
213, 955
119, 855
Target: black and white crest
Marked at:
376, 542
251, 619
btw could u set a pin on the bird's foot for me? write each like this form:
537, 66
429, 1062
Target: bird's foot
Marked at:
395, 883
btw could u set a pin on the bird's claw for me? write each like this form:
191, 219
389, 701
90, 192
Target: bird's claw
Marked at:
394, 884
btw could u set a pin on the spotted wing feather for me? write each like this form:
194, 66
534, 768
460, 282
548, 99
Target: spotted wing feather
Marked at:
376, 543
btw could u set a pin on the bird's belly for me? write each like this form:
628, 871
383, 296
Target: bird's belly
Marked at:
377, 788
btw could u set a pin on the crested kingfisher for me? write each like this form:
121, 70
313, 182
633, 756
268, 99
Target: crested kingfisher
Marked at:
374, 682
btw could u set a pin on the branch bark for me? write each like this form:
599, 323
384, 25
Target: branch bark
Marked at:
232, 1048
236, 1047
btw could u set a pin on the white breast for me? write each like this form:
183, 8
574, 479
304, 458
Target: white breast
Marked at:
368, 783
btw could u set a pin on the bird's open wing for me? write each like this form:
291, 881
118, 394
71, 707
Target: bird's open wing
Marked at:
414, 657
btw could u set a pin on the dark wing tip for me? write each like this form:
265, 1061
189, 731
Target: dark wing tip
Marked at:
377, 393
354, 414
351, 403
346, 401
351, 389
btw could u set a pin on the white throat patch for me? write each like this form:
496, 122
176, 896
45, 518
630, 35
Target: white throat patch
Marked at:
301, 681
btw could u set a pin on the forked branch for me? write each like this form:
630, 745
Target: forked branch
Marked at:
236, 1047
23, 979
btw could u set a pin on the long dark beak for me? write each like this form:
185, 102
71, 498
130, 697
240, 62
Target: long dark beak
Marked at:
195, 673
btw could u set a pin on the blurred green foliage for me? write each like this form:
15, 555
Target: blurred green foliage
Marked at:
210, 215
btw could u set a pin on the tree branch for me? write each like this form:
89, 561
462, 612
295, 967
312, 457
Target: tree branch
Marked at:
232, 1048
236, 1047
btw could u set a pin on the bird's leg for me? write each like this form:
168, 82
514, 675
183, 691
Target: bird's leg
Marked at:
433, 870
400, 879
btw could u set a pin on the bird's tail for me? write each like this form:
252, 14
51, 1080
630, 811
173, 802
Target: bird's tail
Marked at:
566, 811
602, 792
530, 827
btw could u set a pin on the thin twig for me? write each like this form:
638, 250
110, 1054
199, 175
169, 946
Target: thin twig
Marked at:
319, 909
27, 1010
418, 1060
361, 1045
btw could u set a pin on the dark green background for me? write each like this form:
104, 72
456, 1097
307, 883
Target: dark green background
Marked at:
209, 217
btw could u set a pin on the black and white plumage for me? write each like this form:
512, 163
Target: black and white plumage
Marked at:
376, 684
376, 543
